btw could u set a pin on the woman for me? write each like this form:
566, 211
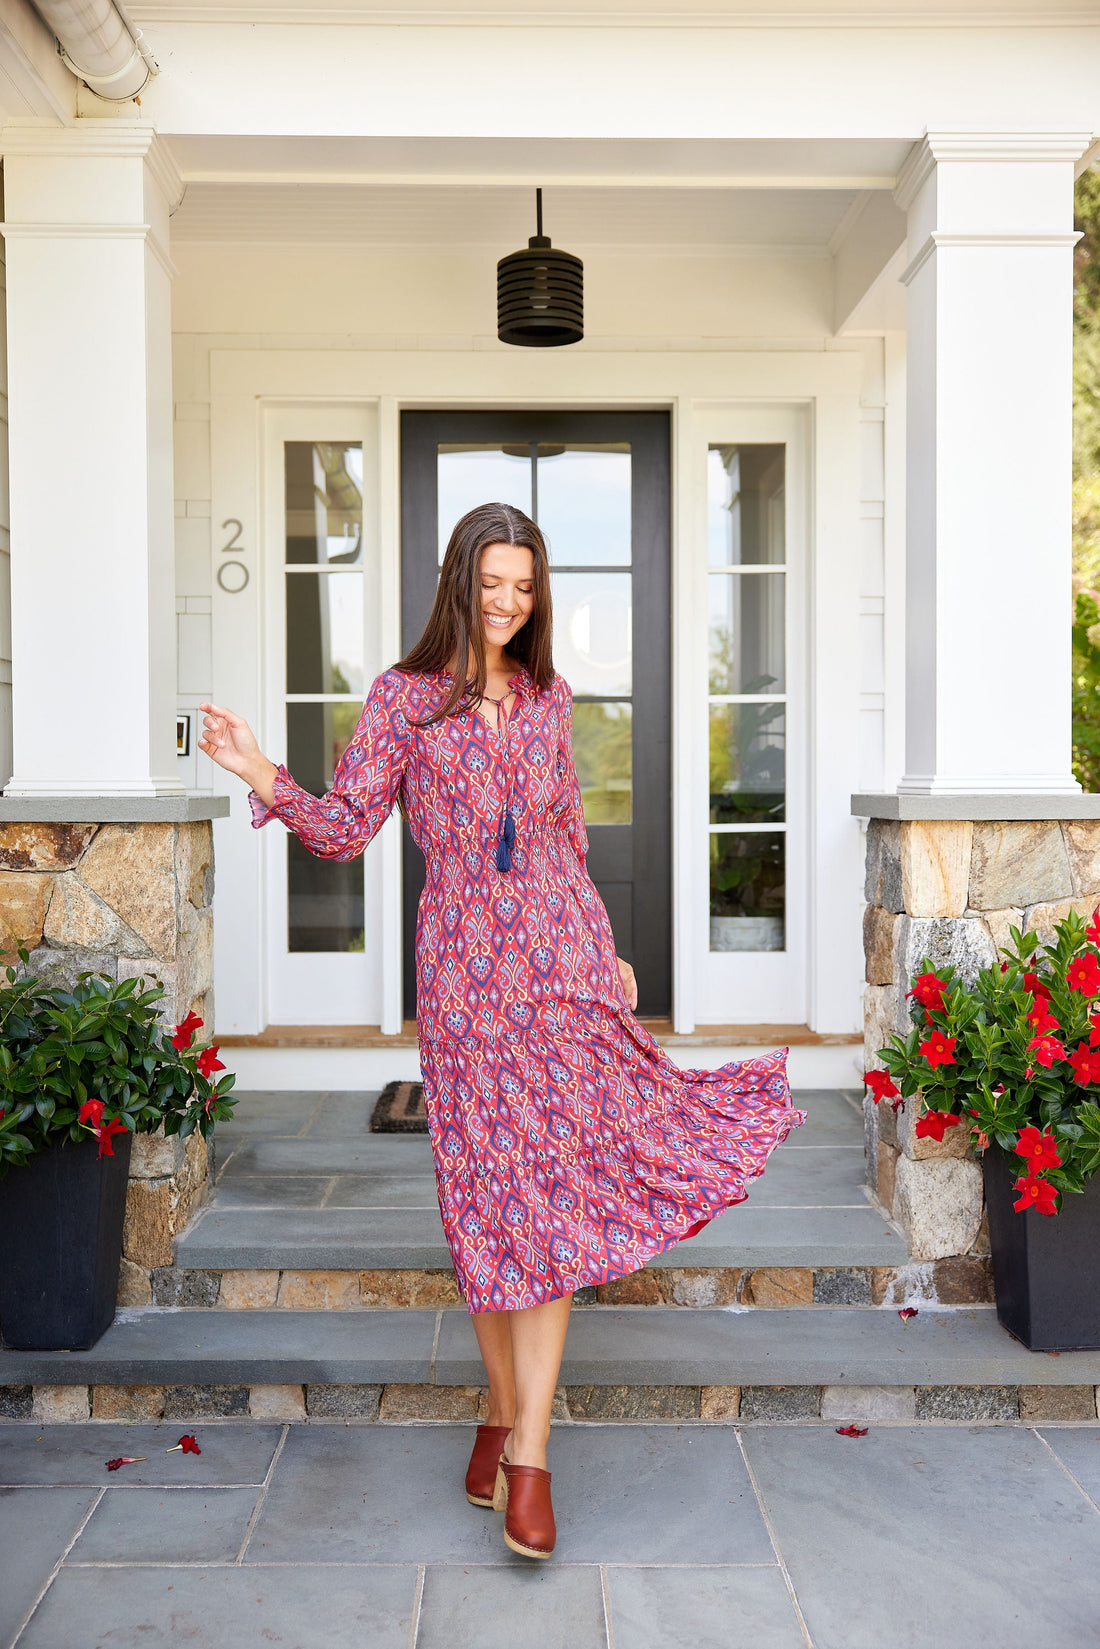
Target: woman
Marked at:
568, 1147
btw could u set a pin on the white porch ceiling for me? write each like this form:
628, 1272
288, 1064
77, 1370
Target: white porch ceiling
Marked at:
504, 217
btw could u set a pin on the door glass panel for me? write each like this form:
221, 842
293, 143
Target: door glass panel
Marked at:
747, 880
592, 632
746, 632
324, 633
745, 505
602, 753
583, 504
324, 503
480, 474
747, 781
325, 898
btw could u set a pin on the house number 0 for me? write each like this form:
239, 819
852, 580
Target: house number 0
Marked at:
232, 575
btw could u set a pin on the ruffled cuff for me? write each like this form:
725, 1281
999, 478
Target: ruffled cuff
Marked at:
261, 813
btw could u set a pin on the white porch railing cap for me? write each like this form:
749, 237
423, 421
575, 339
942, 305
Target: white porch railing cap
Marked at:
990, 805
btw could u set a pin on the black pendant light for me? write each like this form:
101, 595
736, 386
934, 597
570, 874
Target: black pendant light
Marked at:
540, 294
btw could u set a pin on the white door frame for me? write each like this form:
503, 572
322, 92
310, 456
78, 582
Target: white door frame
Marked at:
703, 391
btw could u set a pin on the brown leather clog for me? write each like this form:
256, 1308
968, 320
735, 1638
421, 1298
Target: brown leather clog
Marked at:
481, 1473
522, 1493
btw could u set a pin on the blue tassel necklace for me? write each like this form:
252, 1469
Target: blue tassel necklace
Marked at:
507, 839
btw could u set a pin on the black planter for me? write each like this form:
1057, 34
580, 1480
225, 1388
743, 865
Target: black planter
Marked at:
60, 1246
1045, 1273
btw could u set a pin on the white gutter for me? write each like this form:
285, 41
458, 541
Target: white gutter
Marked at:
100, 45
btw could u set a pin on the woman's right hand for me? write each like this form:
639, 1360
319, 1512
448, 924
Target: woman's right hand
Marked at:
229, 741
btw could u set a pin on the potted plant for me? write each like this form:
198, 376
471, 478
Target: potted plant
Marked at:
1015, 1061
82, 1071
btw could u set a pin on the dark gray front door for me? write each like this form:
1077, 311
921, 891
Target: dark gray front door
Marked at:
597, 483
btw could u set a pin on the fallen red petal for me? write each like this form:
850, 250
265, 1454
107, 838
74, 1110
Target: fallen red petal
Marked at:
125, 1460
906, 1312
851, 1431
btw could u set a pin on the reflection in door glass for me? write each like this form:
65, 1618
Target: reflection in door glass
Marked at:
592, 632
584, 504
747, 890
747, 777
325, 898
324, 633
480, 474
603, 758
746, 633
745, 505
324, 503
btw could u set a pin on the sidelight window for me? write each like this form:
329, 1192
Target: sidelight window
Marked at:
747, 696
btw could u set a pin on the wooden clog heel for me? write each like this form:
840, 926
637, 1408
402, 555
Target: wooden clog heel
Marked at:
481, 1472
522, 1493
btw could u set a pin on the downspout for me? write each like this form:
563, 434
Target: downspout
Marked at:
100, 45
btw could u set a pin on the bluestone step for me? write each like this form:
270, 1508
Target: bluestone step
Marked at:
655, 1347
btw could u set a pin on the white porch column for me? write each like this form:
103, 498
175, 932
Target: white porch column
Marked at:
90, 404
989, 278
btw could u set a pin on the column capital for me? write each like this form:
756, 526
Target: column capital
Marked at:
97, 140
936, 147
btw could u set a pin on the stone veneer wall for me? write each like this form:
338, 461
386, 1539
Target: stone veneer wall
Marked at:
950, 890
125, 900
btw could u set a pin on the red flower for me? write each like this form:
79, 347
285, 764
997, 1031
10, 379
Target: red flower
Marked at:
1092, 932
851, 1431
1047, 1050
1086, 1064
1083, 974
103, 1135
880, 1085
933, 1124
928, 991
91, 1113
1040, 1149
1004, 967
187, 1444
185, 1032
125, 1460
897, 1105
1029, 1072
1094, 1030
1041, 1019
939, 1049
1037, 986
208, 1061
906, 1312
1035, 1193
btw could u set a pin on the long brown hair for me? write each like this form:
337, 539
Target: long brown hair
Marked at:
455, 631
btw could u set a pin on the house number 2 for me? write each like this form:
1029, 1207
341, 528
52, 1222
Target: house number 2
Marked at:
232, 575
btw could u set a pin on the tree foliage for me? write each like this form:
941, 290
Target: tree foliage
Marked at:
1086, 484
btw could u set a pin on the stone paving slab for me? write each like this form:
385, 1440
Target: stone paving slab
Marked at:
76, 1455
648, 1346
343, 1239
194, 1525
227, 1608
971, 1539
661, 1608
560, 1605
640, 1494
36, 1525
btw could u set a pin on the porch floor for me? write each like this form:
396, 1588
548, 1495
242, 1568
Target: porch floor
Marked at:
302, 1185
670, 1537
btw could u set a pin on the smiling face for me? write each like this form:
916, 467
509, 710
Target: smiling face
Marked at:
507, 591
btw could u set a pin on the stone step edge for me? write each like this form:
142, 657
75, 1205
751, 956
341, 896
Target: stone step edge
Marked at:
396, 1403
965, 1280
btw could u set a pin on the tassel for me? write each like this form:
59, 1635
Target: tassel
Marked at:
507, 841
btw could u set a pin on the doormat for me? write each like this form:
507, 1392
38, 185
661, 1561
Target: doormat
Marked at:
399, 1109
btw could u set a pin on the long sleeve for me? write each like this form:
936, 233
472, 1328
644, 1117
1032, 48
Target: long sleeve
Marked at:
365, 784
573, 816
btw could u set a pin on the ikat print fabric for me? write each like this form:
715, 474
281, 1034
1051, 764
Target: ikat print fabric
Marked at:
568, 1146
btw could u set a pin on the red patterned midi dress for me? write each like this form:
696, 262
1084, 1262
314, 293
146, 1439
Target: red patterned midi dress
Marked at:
568, 1146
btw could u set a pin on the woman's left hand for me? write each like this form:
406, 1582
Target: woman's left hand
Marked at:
630, 984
